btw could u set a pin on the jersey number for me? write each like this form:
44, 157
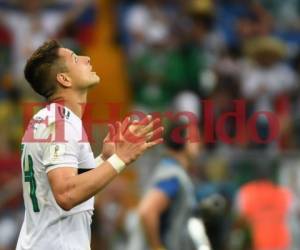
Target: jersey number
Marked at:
29, 177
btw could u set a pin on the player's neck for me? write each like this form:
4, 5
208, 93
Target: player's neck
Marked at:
180, 157
75, 101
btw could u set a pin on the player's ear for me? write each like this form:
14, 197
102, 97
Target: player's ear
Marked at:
64, 80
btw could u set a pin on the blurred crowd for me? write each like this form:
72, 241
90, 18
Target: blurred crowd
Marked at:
178, 53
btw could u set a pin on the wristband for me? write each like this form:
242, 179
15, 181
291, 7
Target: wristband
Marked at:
99, 160
116, 163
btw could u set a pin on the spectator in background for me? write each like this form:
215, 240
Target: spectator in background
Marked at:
265, 75
151, 75
198, 47
286, 14
145, 22
267, 80
203, 17
166, 207
154, 68
243, 19
173, 63
265, 206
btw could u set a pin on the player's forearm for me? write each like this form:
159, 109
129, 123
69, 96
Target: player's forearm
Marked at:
150, 222
80, 188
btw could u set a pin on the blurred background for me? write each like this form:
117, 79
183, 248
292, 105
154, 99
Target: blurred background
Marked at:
169, 55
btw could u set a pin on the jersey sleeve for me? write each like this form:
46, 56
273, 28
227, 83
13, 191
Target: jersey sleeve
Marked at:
57, 153
168, 186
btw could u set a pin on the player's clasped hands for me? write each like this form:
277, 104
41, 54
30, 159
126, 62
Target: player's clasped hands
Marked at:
129, 139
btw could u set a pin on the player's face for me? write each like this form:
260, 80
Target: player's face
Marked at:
80, 69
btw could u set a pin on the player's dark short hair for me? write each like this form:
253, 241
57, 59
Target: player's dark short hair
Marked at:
43, 66
173, 140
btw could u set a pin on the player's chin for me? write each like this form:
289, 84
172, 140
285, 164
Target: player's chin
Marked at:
95, 79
